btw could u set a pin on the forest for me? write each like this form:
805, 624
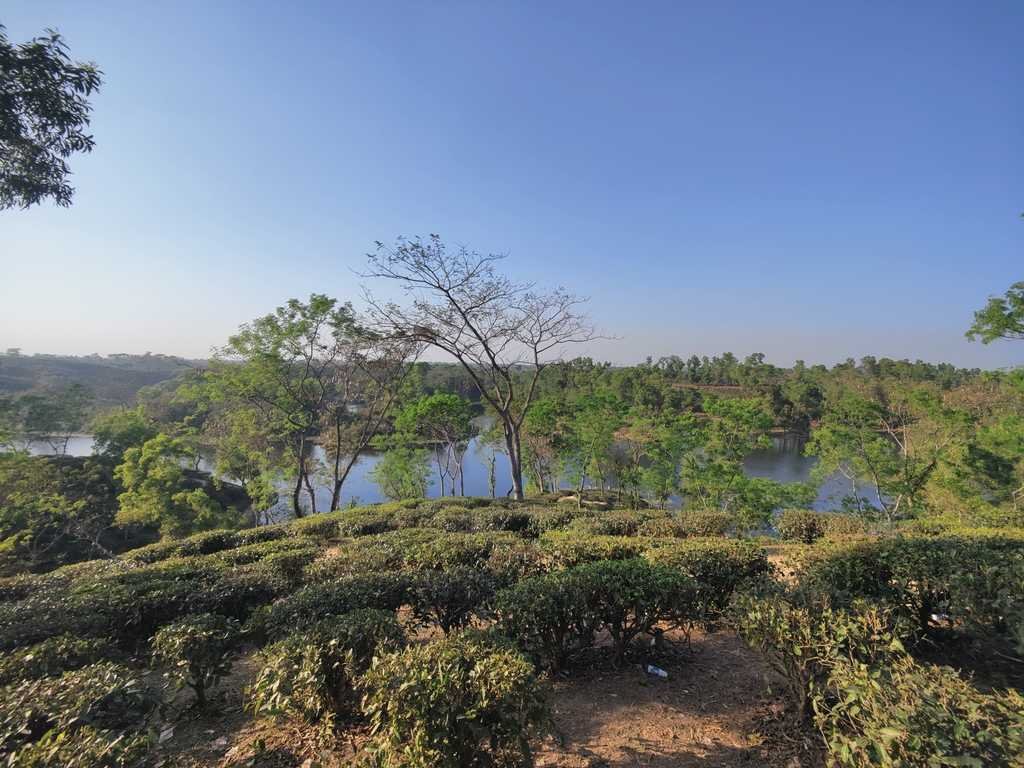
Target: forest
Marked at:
202, 588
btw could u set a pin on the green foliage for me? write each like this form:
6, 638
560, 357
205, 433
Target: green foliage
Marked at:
52, 657
461, 702
444, 420
157, 493
450, 598
53, 510
689, 522
566, 549
976, 580
402, 472
316, 602
197, 651
718, 566
444, 551
550, 616
1001, 318
803, 638
115, 431
802, 525
631, 597
905, 713
314, 673
105, 704
43, 119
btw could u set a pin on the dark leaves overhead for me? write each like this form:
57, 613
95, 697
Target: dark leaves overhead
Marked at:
44, 114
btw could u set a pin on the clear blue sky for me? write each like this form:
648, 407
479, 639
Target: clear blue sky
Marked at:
812, 180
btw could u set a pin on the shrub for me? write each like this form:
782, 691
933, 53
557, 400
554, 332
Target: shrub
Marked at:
197, 651
905, 713
555, 519
450, 598
549, 617
82, 747
312, 674
365, 522
803, 525
53, 656
504, 519
837, 524
322, 526
316, 602
803, 638
616, 523
245, 554
976, 580
565, 549
719, 566
630, 597
702, 522
461, 702
207, 542
516, 560
449, 550
97, 702
453, 520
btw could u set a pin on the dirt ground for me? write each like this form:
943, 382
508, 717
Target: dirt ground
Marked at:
714, 709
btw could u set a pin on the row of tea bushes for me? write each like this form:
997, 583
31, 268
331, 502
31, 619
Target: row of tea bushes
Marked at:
872, 702
974, 583
841, 635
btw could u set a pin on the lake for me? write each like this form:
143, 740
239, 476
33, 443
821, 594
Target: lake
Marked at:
784, 462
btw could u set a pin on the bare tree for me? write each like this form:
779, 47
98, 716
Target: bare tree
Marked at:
502, 332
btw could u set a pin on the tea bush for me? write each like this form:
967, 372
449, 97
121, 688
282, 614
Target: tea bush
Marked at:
97, 703
53, 656
631, 597
315, 602
197, 651
565, 549
450, 599
615, 523
976, 580
461, 702
510, 562
550, 617
450, 550
803, 637
905, 713
802, 525
701, 522
366, 522
807, 526
719, 566
313, 674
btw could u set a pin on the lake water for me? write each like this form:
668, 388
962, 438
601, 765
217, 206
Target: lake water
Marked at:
784, 462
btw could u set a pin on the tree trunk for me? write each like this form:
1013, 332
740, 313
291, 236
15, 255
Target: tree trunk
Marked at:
514, 465
299, 474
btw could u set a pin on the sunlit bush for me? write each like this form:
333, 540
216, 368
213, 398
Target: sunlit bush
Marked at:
461, 702
313, 673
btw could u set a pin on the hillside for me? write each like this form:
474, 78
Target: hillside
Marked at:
113, 380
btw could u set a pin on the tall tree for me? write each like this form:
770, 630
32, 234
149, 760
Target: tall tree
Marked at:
283, 365
44, 115
503, 333
1001, 318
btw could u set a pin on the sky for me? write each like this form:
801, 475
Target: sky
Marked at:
810, 180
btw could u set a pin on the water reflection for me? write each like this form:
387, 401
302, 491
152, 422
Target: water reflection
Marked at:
784, 462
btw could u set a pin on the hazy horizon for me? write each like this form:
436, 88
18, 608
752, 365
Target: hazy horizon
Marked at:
809, 182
